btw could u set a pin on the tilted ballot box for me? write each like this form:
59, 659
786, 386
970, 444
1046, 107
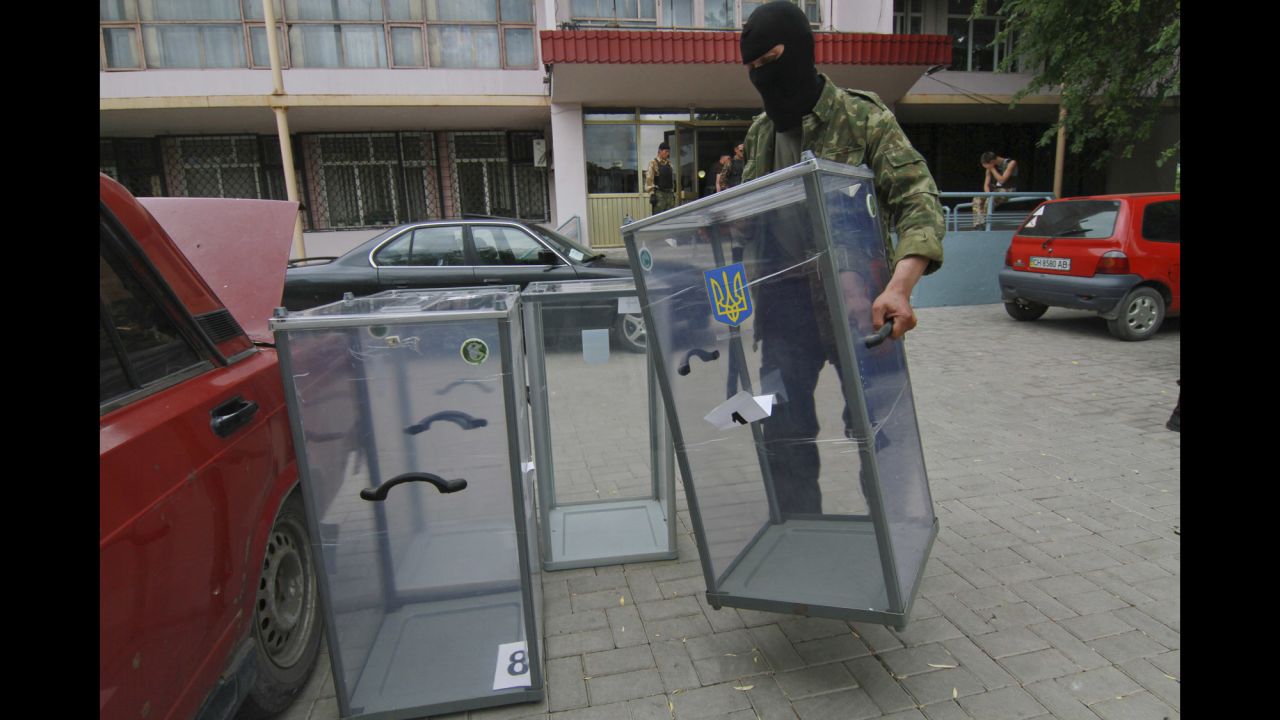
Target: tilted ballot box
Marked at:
606, 467
410, 427
794, 422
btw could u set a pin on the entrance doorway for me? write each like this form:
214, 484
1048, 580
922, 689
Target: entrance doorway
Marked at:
696, 148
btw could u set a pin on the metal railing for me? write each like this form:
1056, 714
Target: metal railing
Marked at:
1007, 219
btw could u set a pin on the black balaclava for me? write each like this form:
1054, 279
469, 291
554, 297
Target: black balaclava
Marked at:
789, 86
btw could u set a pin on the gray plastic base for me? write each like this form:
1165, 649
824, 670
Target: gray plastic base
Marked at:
828, 563
607, 533
439, 657
447, 560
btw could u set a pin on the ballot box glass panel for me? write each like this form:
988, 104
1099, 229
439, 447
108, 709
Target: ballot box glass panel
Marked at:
412, 444
757, 305
605, 461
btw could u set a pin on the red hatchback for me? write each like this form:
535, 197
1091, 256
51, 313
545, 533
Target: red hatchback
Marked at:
1119, 255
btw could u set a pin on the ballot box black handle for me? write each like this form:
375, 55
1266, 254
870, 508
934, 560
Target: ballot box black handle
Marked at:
379, 493
461, 419
879, 336
701, 354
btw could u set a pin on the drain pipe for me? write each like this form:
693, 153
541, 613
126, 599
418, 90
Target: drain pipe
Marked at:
281, 111
1060, 156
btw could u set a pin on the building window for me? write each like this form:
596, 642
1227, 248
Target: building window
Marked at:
908, 17
357, 178
140, 34
615, 13
194, 46
484, 176
708, 14
973, 46
228, 166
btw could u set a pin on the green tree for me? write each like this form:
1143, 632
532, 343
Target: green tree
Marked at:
1114, 62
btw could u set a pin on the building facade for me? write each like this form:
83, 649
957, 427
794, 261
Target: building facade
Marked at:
546, 110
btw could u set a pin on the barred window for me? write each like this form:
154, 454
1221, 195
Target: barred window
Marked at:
214, 166
480, 160
358, 178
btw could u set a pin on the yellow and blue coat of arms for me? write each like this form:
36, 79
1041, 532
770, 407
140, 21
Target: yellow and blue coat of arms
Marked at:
730, 297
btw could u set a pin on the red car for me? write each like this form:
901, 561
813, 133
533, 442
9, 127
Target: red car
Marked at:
207, 590
1119, 255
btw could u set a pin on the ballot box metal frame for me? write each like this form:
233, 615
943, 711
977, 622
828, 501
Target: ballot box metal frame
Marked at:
556, 516
508, 323
809, 171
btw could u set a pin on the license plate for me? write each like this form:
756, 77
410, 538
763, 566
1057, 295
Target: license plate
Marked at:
1048, 263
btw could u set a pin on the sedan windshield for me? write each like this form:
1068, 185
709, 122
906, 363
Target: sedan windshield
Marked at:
575, 251
1078, 219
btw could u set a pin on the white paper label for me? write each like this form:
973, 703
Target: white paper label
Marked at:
512, 669
628, 306
1039, 210
576, 255
740, 410
1032, 221
595, 346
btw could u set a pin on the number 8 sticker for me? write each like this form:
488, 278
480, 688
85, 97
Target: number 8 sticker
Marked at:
512, 669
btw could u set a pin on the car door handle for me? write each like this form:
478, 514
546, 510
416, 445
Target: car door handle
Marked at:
232, 415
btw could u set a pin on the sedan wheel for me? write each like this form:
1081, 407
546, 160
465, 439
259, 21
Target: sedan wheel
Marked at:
630, 333
1141, 314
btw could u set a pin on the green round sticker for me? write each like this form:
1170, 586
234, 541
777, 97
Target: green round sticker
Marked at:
871, 204
646, 259
474, 351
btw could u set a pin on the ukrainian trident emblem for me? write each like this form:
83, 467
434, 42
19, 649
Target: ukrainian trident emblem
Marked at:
730, 297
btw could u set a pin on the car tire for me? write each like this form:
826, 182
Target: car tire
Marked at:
630, 333
1025, 309
1140, 315
287, 625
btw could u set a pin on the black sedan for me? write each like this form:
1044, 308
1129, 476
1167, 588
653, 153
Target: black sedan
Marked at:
466, 252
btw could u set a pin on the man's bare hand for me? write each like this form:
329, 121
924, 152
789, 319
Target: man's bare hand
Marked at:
895, 301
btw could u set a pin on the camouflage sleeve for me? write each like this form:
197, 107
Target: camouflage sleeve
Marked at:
649, 176
906, 189
752, 167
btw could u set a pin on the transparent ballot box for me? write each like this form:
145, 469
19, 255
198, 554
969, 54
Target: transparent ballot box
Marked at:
794, 423
411, 432
606, 466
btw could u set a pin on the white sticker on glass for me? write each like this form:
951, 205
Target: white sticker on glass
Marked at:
512, 669
576, 255
740, 409
595, 347
628, 306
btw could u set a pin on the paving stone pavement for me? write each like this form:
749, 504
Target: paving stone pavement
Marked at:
1052, 590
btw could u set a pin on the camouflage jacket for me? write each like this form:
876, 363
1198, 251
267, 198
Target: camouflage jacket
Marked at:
855, 128
651, 176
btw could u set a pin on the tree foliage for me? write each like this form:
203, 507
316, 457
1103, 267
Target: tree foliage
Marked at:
1114, 63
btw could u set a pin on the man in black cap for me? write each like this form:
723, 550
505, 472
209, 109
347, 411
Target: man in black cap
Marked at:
803, 110
659, 181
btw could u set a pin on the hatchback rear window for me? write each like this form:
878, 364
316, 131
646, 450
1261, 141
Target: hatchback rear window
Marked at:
1081, 219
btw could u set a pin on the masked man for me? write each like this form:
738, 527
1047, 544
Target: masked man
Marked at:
803, 110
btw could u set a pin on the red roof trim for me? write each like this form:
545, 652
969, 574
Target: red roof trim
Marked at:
721, 47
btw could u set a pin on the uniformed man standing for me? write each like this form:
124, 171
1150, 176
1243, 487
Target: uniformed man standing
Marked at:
803, 110
659, 181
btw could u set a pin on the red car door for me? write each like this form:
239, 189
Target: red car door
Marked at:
186, 440
1158, 245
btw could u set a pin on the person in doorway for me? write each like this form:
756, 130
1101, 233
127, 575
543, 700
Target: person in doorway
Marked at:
659, 181
999, 175
721, 168
804, 110
731, 174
